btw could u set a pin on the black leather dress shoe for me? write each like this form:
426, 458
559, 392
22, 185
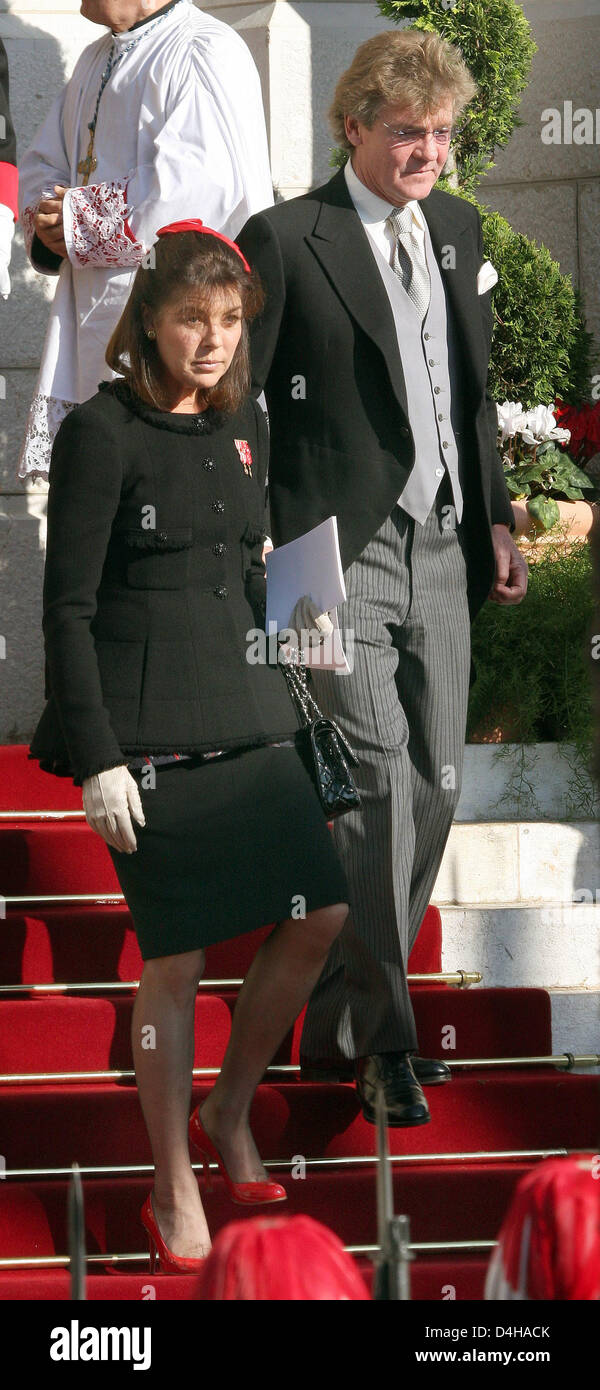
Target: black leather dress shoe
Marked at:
404, 1099
427, 1070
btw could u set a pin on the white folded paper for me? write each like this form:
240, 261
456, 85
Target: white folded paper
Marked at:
312, 565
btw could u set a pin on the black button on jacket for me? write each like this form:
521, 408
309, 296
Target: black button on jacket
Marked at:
153, 581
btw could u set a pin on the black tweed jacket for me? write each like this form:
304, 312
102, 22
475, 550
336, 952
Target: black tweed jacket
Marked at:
153, 581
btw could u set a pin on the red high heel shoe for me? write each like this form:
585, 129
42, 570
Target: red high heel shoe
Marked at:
160, 1255
244, 1193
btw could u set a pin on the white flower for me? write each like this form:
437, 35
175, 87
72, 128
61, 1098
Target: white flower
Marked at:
539, 421
510, 419
536, 426
540, 426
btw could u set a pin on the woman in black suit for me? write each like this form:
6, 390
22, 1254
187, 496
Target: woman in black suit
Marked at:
154, 585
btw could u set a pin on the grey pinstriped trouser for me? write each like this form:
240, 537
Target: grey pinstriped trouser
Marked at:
404, 710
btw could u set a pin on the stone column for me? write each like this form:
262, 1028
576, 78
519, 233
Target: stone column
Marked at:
43, 42
300, 51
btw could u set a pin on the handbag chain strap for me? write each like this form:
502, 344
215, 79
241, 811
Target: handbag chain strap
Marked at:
295, 673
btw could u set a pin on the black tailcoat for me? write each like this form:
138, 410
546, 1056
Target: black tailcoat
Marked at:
326, 354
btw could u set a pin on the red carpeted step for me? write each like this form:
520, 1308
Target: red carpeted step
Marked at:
426, 954
33, 1215
54, 857
486, 1022
68, 944
483, 1023
432, 1278
93, 1034
47, 857
51, 1125
232, 958
77, 942
49, 1285
46, 1125
90, 1034
24, 787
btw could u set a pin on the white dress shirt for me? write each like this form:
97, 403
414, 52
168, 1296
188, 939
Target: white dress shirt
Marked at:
373, 211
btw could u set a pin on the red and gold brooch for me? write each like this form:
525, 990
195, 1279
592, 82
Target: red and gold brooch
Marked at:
243, 449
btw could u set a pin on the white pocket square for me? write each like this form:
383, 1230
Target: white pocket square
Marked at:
486, 278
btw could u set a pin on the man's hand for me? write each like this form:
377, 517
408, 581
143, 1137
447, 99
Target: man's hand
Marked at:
510, 583
48, 222
110, 799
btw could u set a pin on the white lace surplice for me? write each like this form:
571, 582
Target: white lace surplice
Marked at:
180, 133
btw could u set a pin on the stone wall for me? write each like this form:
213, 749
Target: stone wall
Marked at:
551, 192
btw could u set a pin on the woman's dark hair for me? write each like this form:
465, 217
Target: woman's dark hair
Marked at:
195, 263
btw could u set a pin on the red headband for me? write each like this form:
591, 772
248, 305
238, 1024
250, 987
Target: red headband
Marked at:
194, 224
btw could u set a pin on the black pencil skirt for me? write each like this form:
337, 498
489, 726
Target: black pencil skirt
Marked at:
229, 845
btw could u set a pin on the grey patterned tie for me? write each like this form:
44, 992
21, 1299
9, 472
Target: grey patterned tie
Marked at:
408, 262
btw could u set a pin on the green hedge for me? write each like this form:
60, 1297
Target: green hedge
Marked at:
541, 350
533, 660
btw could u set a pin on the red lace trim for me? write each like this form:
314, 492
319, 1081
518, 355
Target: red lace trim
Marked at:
27, 222
101, 234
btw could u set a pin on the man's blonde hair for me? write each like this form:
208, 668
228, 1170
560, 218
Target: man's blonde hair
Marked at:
419, 71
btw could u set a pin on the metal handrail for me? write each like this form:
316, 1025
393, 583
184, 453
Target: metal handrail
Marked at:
42, 815
562, 1061
462, 978
76, 1225
423, 1247
391, 1262
12, 899
286, 1164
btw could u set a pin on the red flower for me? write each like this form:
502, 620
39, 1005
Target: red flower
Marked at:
584, 424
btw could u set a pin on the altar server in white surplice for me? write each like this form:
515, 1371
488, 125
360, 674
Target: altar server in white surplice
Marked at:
161, 120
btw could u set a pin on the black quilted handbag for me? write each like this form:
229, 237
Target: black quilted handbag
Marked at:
327, 752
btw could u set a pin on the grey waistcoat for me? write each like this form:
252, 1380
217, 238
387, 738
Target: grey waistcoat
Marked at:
431, 366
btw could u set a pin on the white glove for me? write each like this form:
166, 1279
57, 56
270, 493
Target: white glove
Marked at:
110, 799
306, 617
7, 231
